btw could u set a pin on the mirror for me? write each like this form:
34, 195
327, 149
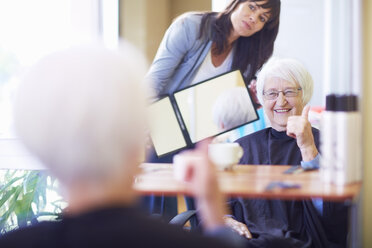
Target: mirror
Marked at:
166, 133
200, 111
215, 106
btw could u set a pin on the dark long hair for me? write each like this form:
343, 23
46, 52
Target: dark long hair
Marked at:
250, 52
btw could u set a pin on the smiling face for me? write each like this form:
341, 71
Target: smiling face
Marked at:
282, 107
249, 18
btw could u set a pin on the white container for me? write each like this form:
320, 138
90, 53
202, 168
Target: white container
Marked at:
341, 140
225, 155
328, 140
348, 147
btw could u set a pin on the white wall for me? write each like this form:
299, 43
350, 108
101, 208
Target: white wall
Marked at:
301, 36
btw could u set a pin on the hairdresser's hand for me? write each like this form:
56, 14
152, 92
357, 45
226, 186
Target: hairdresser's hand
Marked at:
148, 142
202, 182
253, 89
238, 227
299, 127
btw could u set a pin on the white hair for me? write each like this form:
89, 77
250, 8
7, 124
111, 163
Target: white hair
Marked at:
233, 108
81, 110
287, 69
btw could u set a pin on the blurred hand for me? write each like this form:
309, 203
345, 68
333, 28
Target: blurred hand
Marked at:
202, 182
238, 227
299, 127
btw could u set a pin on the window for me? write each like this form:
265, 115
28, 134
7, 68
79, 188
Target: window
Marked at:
30, 30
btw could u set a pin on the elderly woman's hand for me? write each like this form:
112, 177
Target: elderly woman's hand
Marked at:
238, 227
299, 127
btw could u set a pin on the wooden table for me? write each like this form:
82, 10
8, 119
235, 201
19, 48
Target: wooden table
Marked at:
248, 181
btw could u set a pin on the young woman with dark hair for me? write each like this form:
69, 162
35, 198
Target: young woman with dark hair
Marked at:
198, 46
258, 46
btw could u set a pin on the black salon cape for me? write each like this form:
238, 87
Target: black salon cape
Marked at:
110, 227
279, 223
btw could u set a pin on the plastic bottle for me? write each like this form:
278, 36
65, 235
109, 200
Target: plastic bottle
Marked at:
328, 139
348, 145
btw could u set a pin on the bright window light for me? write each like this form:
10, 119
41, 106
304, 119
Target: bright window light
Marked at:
110, 22
32, 29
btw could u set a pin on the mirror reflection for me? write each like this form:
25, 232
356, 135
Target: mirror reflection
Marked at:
215, 106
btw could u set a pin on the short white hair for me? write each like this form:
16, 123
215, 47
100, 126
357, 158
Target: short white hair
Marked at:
287, 69
233, 108
81, 110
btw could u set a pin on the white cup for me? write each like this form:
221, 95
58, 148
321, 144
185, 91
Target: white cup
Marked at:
225, 155
181, 163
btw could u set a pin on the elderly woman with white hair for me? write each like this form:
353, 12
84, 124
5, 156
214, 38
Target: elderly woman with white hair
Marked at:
284, 87
81, 112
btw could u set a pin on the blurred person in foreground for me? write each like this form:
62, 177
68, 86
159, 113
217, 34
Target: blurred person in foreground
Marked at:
284, 88
81, 111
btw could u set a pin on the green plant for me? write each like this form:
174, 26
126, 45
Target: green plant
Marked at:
27, 196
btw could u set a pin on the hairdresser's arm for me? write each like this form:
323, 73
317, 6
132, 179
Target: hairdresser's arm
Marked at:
176, 42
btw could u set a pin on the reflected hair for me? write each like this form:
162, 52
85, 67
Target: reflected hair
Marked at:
232, 108
251, 52
81, 111
289, 70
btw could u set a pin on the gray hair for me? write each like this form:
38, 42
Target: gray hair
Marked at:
287, 69
233, 108
81, 110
